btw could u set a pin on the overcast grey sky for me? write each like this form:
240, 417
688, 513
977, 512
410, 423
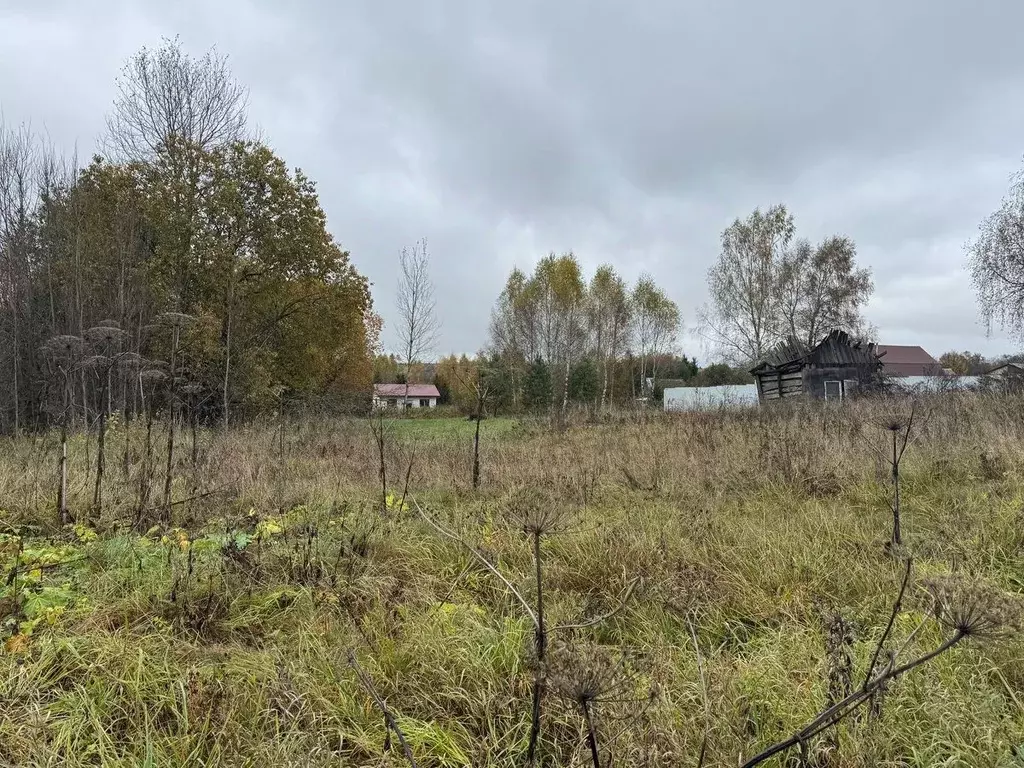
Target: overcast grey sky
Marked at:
630, 133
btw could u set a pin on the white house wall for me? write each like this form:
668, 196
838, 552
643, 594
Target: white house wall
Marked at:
710, 398
412, 402
923, 384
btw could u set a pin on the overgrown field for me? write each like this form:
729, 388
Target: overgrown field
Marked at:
707, 580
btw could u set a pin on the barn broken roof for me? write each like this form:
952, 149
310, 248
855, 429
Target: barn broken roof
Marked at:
834, 351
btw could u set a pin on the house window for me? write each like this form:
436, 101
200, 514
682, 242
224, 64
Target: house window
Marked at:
424, 402
849, 387
393, 402
833, 390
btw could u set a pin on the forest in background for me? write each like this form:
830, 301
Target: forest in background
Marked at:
186, 266
188, 258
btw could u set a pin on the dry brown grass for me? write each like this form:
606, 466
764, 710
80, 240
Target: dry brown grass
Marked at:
753, 527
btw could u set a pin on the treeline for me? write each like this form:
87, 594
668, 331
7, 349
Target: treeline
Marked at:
461, 378
555, 337
189, 264
974, 363
558, 339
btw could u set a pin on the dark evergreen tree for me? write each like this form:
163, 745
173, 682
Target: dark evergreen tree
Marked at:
537, 389
584, 382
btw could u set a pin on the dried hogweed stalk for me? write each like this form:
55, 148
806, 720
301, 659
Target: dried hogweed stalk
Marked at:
839, 647
839, 660
586, 676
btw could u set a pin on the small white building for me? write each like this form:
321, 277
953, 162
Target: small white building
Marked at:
396, 396
710, 398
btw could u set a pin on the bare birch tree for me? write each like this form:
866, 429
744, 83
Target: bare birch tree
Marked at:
742, 320
608, 305
655, 324
821, 289
417, 319
996, 262
165, 96
765, 287
17, 207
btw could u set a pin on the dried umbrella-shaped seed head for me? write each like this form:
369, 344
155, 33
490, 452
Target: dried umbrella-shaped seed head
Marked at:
175, 319
97, 362
65, 346
130, 360
106, 334
534, 511
582, 674
152, 376
973, 608
585, 674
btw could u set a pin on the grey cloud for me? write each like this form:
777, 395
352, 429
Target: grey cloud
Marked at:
630, 133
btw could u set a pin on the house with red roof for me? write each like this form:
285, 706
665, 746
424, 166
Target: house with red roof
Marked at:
901, 360
402, 396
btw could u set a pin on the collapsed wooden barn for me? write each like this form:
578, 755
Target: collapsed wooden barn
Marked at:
833, 369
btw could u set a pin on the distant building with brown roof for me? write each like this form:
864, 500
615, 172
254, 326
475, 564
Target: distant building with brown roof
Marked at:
901, 360
398, 396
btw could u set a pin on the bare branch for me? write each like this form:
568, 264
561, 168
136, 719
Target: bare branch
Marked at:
605, 616
481, 559
389, 718
896, 607
832, 715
